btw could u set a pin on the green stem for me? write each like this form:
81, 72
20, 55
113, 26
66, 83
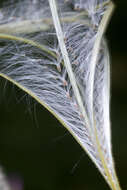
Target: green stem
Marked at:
31, 26
95, 51
28, 41
114, 185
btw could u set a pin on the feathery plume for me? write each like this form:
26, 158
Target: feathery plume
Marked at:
56, 52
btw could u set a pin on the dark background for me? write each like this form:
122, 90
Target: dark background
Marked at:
37, 151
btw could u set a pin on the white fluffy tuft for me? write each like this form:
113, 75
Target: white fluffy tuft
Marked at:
31, 56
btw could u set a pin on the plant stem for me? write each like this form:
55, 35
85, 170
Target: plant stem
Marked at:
28, 41
31, 26
95, 51
67, 63
114, 185
52, 3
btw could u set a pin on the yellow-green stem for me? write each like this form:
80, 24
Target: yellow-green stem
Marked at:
114, 185
28, 41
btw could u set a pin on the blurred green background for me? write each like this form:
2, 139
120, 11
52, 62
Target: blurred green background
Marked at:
39, 153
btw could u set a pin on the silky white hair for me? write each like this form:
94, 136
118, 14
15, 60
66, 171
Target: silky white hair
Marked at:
64, 66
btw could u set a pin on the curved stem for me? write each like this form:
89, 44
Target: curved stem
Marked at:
95, 51
30, 26
67, 63
114, 185
28, 41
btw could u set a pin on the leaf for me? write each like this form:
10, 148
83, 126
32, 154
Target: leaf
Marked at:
59, 56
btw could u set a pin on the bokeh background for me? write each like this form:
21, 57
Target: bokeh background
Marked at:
37, 153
